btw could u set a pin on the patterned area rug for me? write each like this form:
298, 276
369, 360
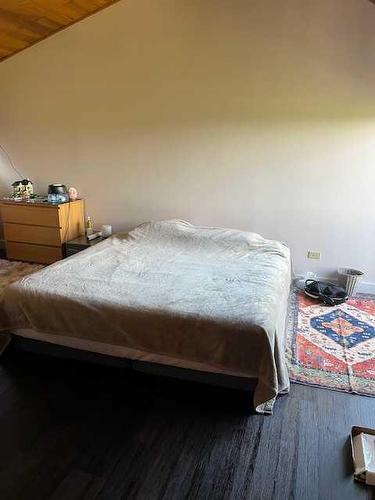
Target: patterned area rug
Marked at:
9, 273
332, 347
13, 271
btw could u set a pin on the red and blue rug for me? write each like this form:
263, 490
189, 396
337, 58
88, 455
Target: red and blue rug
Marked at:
332, 347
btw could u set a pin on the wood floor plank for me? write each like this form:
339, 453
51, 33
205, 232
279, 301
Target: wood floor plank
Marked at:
79, 431
77, 485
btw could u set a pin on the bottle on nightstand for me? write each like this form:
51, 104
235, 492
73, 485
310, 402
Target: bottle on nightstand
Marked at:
89, 226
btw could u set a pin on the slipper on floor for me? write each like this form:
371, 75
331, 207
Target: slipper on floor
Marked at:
330, 294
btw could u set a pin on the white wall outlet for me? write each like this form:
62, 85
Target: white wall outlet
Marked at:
314, 254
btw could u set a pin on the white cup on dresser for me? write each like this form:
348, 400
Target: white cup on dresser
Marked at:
106, 230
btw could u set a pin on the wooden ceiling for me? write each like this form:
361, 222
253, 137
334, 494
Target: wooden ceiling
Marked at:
25, 22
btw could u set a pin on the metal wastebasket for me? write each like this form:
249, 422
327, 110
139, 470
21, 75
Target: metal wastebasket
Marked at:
349, 279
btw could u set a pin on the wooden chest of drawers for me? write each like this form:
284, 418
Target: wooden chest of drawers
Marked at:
36, 232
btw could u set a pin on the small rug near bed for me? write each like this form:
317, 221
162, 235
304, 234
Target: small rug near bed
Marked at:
9, 273
332, 347
13, 271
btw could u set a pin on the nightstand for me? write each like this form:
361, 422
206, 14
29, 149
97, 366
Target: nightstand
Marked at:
37, 231
79, 244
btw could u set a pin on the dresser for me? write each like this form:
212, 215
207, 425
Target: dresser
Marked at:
37, 232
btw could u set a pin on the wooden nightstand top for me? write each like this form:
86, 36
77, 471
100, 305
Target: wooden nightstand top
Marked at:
82, 242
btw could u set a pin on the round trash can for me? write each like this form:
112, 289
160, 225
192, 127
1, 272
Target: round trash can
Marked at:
349, 279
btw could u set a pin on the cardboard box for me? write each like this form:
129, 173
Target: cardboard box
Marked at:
363, 452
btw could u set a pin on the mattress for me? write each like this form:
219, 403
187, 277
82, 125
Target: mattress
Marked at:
212, 298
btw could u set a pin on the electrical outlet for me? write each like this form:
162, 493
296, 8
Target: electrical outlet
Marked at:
313, 254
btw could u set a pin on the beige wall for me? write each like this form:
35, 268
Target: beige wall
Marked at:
253, 114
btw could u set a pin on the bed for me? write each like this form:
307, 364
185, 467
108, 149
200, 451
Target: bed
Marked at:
207, 299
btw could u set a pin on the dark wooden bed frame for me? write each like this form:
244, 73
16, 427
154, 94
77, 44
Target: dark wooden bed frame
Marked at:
40, 347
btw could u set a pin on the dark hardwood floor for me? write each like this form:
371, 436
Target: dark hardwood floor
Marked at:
73, 430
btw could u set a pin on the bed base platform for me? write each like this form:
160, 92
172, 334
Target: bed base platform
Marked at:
19, 343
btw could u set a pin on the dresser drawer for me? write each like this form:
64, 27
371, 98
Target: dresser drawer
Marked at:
33, 253
32, 234
31, 215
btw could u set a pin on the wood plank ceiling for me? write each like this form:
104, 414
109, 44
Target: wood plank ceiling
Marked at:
25, 22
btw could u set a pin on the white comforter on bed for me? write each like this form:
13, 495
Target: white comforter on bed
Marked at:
212, 296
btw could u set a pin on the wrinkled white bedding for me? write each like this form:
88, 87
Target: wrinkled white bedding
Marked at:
212, 296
